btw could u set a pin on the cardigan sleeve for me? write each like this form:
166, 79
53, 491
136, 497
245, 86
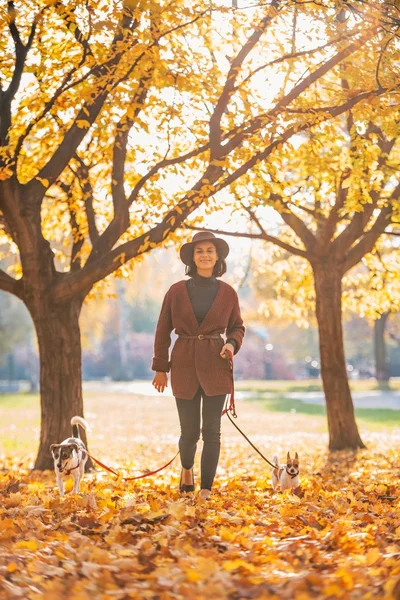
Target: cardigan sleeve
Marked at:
162, 340
233, 342
235, 330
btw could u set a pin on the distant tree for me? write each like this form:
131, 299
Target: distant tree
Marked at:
374, 292
15, 325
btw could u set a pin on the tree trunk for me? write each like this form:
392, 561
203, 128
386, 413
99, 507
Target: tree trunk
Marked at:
59, 343
381, 366
343, 432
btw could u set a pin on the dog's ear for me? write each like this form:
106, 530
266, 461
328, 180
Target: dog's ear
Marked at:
296, 456
53, 446
288, 455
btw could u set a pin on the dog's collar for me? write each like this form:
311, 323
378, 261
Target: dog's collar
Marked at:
68, 472
291, 474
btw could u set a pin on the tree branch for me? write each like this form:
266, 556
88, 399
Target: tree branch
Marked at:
62, 88
87, 114
67, 14
21, 51
299, 228
83, 178
229, 87
90, 110
369, 239
77, 240
332, 219
263, 235
298, 89
11, 285
297, 54
397, 233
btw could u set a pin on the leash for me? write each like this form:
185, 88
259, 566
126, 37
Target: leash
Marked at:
231, 409
142, 476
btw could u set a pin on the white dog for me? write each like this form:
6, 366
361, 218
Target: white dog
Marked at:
70, 456
287, 476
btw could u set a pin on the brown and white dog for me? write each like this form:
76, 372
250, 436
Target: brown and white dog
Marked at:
287, 476
70, 456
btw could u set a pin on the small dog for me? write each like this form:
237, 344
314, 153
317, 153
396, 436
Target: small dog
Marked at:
70, 456
287, 476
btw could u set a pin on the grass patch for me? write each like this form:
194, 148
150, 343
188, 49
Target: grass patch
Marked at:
383, 417
309, 385
19, 401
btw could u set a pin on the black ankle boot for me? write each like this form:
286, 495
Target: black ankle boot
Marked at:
185, 487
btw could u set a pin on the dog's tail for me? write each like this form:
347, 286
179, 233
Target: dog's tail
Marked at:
75, 421
275, 461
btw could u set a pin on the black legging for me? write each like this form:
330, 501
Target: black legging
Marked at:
189, 417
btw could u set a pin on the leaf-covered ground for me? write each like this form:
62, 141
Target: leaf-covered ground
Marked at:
143, 540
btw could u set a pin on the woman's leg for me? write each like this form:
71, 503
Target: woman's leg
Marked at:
212, 412
189, 418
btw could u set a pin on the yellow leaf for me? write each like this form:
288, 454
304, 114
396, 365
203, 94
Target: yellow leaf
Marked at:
27, 545
373, 556
232, 565
44, 182
193, 575
82, 123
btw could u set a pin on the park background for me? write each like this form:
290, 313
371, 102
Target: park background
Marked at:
125, 127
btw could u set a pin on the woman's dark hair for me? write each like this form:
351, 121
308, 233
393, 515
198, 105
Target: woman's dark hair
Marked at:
218, 271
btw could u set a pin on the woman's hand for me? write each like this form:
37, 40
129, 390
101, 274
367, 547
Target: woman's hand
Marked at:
224, 348
160, 381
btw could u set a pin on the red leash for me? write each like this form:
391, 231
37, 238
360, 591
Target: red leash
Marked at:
110, 470
231, 407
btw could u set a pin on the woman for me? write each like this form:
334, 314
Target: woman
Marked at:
200, 310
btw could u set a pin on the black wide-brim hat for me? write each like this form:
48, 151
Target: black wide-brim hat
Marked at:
186, 252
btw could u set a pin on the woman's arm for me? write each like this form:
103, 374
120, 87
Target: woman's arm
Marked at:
162, 340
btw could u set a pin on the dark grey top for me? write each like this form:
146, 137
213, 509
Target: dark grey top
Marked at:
202, 292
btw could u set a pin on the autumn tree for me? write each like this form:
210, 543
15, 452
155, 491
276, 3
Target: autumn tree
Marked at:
373, 292
119, 119
335, 191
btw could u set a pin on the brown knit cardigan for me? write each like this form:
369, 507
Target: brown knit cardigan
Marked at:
197, 361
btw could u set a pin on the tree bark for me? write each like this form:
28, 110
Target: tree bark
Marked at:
343, 431
381, 366
60, 353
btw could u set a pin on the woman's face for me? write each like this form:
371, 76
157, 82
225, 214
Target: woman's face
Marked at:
205, 256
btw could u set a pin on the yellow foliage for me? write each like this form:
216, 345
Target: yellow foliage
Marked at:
142, 538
